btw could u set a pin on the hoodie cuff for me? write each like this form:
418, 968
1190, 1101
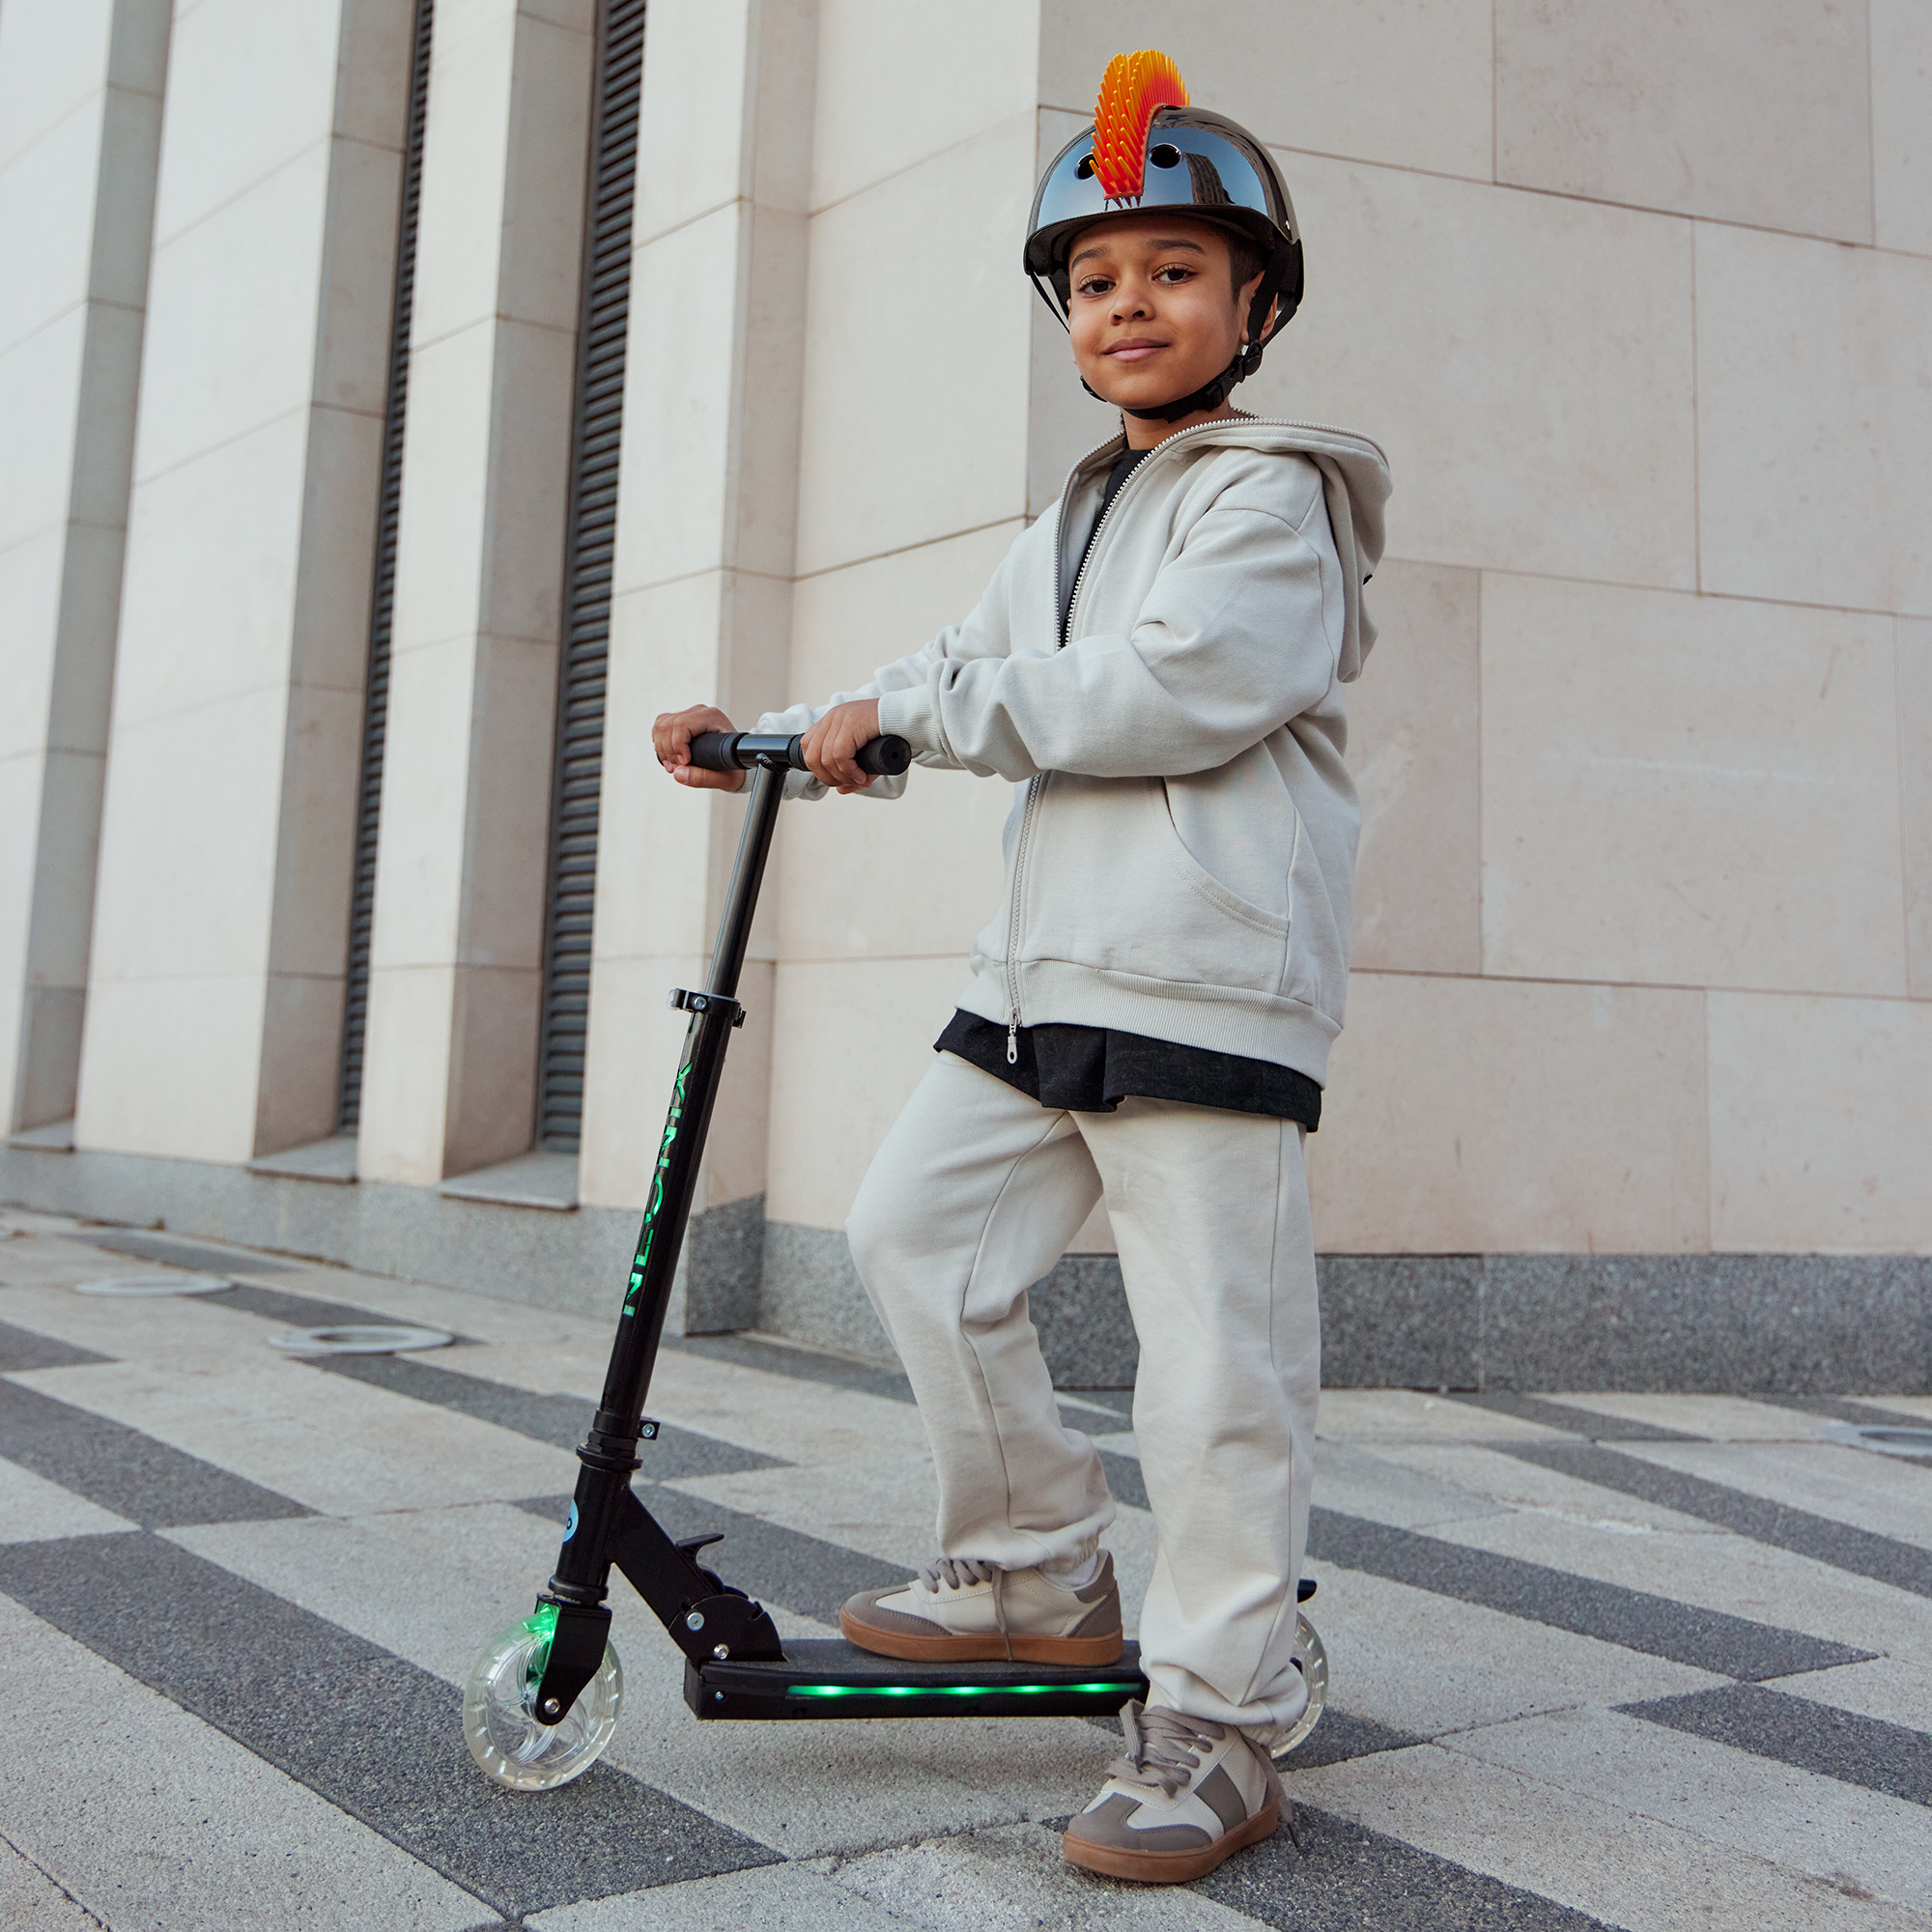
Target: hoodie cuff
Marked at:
912, 714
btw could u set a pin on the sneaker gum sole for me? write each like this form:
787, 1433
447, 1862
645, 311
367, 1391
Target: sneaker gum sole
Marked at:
1170, 1867
1085, 1651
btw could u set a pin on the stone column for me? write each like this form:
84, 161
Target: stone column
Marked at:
455, 966
215, 1001
80, 107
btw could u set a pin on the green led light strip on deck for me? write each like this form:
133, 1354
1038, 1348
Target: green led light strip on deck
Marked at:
955, 1690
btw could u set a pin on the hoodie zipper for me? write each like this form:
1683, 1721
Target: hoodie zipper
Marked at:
1038, 785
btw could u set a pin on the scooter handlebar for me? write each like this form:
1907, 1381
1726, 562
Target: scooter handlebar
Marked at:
744, 751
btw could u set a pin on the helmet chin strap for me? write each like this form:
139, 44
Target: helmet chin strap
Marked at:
1210, 395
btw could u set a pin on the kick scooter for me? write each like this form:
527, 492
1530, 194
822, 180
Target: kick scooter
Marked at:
542, 1702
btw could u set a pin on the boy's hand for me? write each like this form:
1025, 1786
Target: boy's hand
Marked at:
670, 740
830, 745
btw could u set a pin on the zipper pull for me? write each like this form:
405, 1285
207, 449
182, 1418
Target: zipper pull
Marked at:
1013, 1044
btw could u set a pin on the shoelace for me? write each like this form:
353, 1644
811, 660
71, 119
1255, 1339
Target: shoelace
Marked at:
956, 1573
1164, 1750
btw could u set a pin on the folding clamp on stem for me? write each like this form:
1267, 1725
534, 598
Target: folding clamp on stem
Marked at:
708, 1002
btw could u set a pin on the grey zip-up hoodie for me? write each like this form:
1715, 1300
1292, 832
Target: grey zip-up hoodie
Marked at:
1180, 859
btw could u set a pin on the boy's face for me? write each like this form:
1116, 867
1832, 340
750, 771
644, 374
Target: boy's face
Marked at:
1153, 311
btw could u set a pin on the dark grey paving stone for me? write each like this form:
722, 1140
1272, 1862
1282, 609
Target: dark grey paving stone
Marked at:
181, 1253
1861, 1551
1401, 1321
1085, 1333
1124, 1479
20, 1349
1705, 1639
1345, 1877
764, 1559
1090, 1422
1340, 1737
1567, 1415
754, 1352
124, 1470
557, 1419
299, 1311
1794, 1730
370, 1733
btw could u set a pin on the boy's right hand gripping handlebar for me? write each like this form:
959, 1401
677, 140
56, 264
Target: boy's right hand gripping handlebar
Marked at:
745, 751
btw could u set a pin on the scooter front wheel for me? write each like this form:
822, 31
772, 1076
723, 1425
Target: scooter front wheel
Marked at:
499, 1724
1314, 1660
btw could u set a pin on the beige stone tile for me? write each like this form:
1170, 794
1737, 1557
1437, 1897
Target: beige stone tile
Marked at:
372, 85
53, 54
250, 89
39, 390
342, 476
124, 212
492, 1065
1747, 110
871, 125
691, 122
1413, 748
1525, 359
406, 1073
352, 345
188, 842
681, 416
1406, 84
1688, 790
1901, 86
543, 191
1474, 1116
212, 556
30, 592
1815, 422
298, 1086
104, 418
48, 194
1915, 782
888, 456
169, 1067
1845, 1172
233, 308
860, 1029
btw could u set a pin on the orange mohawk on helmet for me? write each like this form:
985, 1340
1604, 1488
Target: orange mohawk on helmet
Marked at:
1131, 89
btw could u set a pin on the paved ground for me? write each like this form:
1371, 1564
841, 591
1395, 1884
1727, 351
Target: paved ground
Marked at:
1638, 1660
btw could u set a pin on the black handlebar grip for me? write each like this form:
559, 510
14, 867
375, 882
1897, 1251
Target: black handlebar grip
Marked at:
712, 751
884, 757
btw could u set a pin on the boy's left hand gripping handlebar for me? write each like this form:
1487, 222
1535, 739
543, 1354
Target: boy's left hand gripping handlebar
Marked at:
743, 751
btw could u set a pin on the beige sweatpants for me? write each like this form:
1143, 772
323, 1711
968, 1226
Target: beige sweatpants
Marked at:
974, 1196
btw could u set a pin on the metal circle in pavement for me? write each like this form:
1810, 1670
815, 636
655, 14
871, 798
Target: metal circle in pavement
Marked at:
1886, 1439
173, 1283
385, 1338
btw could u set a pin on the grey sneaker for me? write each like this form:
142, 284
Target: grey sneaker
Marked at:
958, 1611
1185, 1795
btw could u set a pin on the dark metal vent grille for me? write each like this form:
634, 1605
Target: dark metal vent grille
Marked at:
376, 701
587, 560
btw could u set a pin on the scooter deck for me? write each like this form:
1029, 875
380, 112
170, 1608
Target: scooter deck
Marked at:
827, 1677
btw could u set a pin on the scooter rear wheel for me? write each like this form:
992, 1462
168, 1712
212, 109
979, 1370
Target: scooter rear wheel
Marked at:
498, 1712
1315, 1673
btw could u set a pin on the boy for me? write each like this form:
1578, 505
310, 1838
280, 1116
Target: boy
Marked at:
1159, 663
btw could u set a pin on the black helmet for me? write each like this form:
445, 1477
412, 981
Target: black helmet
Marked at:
1148, 148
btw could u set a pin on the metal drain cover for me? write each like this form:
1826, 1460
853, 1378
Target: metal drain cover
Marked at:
1886, 1439
385, 1338
175, 1282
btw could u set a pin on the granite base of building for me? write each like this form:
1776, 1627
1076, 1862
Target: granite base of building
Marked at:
1756, 1324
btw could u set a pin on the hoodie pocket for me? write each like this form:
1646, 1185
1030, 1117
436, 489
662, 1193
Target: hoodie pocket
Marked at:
1216, 891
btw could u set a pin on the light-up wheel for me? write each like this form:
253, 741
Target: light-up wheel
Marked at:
499, 1720
1315, 1673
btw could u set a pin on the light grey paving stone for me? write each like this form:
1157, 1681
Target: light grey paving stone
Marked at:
1425, 1665
796, 1420
332, 1444
32, 1508
1851, 1840
1850, 1485
776, 1898
1403, 1415
1719, 1418
1599, 1859
1726, 1572
30, 1902
1390, 1485
1017, 1877
1515, 1485
192, 1334
155, 1822
1888, 1688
